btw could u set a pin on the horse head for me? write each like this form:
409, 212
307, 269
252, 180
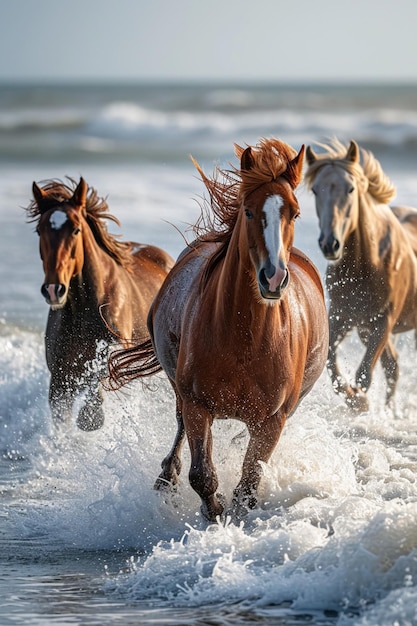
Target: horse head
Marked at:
60, 240
336, 184
269, 211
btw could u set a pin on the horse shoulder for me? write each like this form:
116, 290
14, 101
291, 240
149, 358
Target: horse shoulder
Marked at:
302, 261
310, 337
312, 311
170, 310
397, 243
407, 216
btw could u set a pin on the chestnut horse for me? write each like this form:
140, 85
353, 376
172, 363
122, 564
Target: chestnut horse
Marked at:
240, 323
372, 274
96, 286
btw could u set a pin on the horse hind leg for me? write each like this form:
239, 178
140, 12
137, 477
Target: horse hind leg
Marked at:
389, 362
171, 465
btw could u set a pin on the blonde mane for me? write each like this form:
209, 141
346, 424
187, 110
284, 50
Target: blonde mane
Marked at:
368, 171
97, 210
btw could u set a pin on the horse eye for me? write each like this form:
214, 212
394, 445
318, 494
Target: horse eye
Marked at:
351, 190
76, 231
249, 214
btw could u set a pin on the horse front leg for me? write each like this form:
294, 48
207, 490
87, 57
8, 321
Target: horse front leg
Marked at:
376, 344
202, 475
91, 415
354, 398
264, 436
61, 399
389, 362
171, 465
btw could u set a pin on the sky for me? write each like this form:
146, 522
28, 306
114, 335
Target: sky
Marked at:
226, 40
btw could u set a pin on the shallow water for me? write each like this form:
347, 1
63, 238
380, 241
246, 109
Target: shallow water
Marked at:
84, 538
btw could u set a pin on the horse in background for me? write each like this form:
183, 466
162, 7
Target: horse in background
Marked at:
98, 289
371, 247
240, 324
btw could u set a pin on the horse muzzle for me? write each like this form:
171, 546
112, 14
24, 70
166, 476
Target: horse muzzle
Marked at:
272, 288
330, 247
54, 294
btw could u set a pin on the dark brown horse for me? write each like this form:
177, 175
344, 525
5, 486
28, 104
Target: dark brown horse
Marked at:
97, 288
372, 274
240, 324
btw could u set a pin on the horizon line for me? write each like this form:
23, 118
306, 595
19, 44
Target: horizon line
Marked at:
202, 81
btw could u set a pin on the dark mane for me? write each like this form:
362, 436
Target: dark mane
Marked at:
271, 158
97, 210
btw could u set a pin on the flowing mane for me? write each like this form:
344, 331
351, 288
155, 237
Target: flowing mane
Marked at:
368, 171
97, 210
271, 158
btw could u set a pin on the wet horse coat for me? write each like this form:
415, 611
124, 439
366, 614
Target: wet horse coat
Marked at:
240, 324
372, 273
99, 290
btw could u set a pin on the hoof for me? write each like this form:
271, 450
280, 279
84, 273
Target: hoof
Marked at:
168, 492
242, 503
212, 508
169, 477
162, 484
358, 402
89, 420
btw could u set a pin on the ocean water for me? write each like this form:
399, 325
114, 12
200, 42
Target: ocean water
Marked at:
84, 538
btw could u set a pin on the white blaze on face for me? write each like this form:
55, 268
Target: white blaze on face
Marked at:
58, 219
272, 231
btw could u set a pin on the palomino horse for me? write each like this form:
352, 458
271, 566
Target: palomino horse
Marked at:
96, 286
240, 324
372, 275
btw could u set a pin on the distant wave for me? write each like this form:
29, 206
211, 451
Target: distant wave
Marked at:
41, 119
125, 129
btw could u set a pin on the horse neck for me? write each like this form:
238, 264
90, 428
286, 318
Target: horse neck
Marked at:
96, 268
236, 297
363, 243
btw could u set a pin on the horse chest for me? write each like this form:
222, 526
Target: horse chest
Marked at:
237, 396
236, 384
350, 286
73, 337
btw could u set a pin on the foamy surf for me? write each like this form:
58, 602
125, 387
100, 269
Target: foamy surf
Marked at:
335, 529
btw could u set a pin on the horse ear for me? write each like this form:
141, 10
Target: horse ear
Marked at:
296, 166
38, 194
310, 155
80, 194
246, 161
352, 153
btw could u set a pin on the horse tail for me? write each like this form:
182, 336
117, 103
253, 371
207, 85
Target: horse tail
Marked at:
127, 364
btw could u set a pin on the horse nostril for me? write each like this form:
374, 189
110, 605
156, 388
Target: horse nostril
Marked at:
53, 293
330, 245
